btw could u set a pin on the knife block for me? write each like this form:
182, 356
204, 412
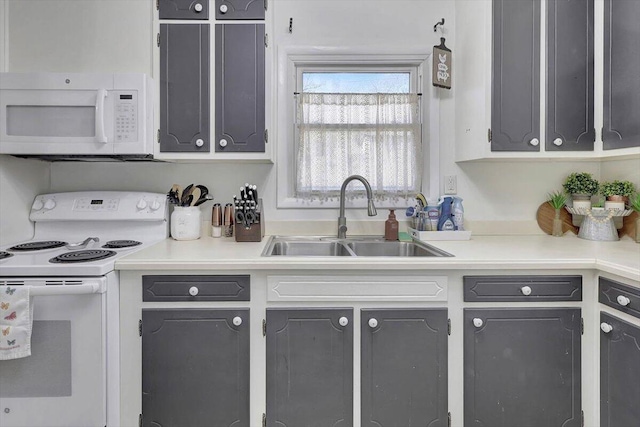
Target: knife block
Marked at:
255, 232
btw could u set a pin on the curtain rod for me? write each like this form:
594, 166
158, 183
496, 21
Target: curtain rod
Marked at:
298, 93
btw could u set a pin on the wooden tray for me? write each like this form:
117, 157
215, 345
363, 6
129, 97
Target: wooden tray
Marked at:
545, 215
629, 226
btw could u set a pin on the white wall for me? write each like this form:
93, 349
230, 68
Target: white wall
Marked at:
492, 191
622, 170
20, 181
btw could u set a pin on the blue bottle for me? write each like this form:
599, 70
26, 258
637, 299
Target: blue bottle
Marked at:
445, 223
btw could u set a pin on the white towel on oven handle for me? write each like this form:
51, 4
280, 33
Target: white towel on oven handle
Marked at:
16, 321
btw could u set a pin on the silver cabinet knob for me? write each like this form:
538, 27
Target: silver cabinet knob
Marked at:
557, 142
526, 290
606, 328
199, 142
373, 323
534, 142
237, 320
343, 321
623, 301
477, 322
193, 291
223, 8
223, 143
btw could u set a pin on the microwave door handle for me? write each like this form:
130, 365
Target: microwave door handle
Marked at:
101, 136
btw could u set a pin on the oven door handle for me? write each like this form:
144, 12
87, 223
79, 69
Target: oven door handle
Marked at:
54, 290
101, 135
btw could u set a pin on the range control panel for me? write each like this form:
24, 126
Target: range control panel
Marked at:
99, 206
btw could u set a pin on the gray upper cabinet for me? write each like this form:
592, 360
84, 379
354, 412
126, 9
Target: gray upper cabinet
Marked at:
195, 367
522, 367
515, 87
240, 88
309, 367
183, 9
404, 367
184, 88
570, 76
619, 373
240, 9
621, 70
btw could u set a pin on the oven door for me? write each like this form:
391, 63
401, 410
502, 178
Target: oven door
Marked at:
63, 382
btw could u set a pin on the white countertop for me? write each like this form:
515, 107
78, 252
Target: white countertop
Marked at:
483, 252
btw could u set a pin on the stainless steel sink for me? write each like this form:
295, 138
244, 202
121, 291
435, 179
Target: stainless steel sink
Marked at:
361, 246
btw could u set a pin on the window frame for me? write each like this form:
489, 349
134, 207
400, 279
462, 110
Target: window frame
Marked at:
294, 60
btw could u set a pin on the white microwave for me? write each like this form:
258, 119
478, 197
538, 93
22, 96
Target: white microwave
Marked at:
76, 114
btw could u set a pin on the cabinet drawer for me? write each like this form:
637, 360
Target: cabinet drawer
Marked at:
196, 288
522, 288
619, 296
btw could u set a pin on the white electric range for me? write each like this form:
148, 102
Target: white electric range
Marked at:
72, 377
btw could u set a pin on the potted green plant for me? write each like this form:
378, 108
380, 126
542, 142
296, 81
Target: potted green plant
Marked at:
617, 193
634, 204
557, 200
581, 186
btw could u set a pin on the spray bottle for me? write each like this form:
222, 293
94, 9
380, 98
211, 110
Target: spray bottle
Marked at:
445, 223
458, 213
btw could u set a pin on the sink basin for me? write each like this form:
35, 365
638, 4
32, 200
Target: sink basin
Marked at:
307, 248
395, 249
314, 246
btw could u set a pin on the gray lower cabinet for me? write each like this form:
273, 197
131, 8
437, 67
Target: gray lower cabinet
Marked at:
619, 373
522, 367
195, 367
404, 367
515, 86
621, 70
309, 367
184, 88
570, 68
240, 88
183, 9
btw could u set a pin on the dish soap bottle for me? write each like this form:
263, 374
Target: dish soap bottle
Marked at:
391, 227
445, 223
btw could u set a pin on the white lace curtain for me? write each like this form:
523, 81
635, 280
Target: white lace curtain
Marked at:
376, 135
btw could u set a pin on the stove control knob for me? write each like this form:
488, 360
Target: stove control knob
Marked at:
37, 205
155, 205
49, 204
142, 203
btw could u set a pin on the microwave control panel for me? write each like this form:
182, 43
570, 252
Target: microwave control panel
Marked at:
126, 116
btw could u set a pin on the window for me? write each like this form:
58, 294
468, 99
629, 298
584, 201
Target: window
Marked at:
353, 114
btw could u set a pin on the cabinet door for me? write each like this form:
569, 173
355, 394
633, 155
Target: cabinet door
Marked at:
404, 368
184, 88
195, 367
240, 108
522, 367
240, 9
183, 9
619, 373
621, 71
515, 87
310, 367
570, 76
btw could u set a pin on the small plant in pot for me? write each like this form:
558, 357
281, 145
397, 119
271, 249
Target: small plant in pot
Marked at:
581, 186
617, 193
557, 200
